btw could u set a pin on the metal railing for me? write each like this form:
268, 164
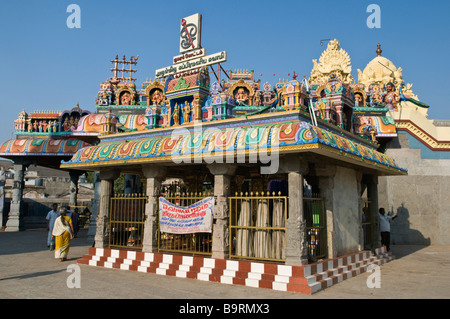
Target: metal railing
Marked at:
316, 233
196, 243
258, 226
127, 217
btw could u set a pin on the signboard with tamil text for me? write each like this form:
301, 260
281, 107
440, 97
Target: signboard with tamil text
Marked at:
192, 64
193, 57
195, 218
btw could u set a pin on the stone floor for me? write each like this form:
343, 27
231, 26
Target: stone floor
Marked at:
29, 270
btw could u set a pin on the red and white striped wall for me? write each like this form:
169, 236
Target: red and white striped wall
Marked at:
306, 279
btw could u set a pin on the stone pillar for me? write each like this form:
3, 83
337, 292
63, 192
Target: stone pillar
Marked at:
95, 208
106, 190
154, 175
222, 177
296, 245
359, 177
74, 176
15, 217
2, 195
326, 175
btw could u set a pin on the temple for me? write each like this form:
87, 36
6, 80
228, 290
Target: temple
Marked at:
291, 170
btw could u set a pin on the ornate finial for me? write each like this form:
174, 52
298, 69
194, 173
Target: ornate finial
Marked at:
379, 50
115, 79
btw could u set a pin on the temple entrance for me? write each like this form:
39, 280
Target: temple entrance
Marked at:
258, 225
176, 191
366, 222
257, 220
316, 232
126, 225
193, 243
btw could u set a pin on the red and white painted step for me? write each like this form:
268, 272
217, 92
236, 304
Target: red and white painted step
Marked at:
306, 279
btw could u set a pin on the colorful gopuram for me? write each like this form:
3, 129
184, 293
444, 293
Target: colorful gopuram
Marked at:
293, 167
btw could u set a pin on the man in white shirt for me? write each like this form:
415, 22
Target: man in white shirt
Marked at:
51, 217
385, 228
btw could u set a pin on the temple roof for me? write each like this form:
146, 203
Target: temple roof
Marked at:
49, 147
287, 135
93, 123
46, 152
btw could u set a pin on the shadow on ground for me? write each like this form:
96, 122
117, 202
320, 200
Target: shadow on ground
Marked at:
33, 240
33, 275
400, 251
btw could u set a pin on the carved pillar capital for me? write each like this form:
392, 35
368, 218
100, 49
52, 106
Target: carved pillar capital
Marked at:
154, 171
294, 163
222, 169
110, 174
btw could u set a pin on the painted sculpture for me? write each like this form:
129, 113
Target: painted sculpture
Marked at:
329, 95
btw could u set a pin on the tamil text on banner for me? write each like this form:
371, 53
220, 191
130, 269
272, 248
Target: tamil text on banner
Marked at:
196, 218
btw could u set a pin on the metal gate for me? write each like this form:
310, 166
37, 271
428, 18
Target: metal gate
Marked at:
127, 217
316, 232
366, 222
258, 226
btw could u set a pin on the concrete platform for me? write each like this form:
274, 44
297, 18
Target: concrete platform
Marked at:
306, 279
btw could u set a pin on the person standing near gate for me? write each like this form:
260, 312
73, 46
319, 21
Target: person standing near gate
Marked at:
385, 228
51, 217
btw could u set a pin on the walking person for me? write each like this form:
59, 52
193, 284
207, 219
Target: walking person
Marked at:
385, 228
51, 217
63, 234
69, 212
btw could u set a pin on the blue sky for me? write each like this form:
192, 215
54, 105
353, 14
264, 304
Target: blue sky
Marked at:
46, 65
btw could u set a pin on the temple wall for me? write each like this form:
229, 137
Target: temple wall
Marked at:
421, 198
346, 216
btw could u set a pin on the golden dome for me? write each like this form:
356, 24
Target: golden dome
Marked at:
380, 70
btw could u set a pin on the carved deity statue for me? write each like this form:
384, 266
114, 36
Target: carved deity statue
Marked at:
376, 94
125, 99
175, 115
257, 99
358, 100
157, 97
104, 96
241, 96
321, 108
187, 112
392, 98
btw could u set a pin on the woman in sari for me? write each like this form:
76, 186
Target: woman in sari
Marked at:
62, 233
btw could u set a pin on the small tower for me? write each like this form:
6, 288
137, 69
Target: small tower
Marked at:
293, 95
109, 123
20, 123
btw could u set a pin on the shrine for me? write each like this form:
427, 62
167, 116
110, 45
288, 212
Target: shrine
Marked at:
287, 172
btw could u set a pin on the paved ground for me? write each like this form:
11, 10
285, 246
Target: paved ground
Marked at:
28, 270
